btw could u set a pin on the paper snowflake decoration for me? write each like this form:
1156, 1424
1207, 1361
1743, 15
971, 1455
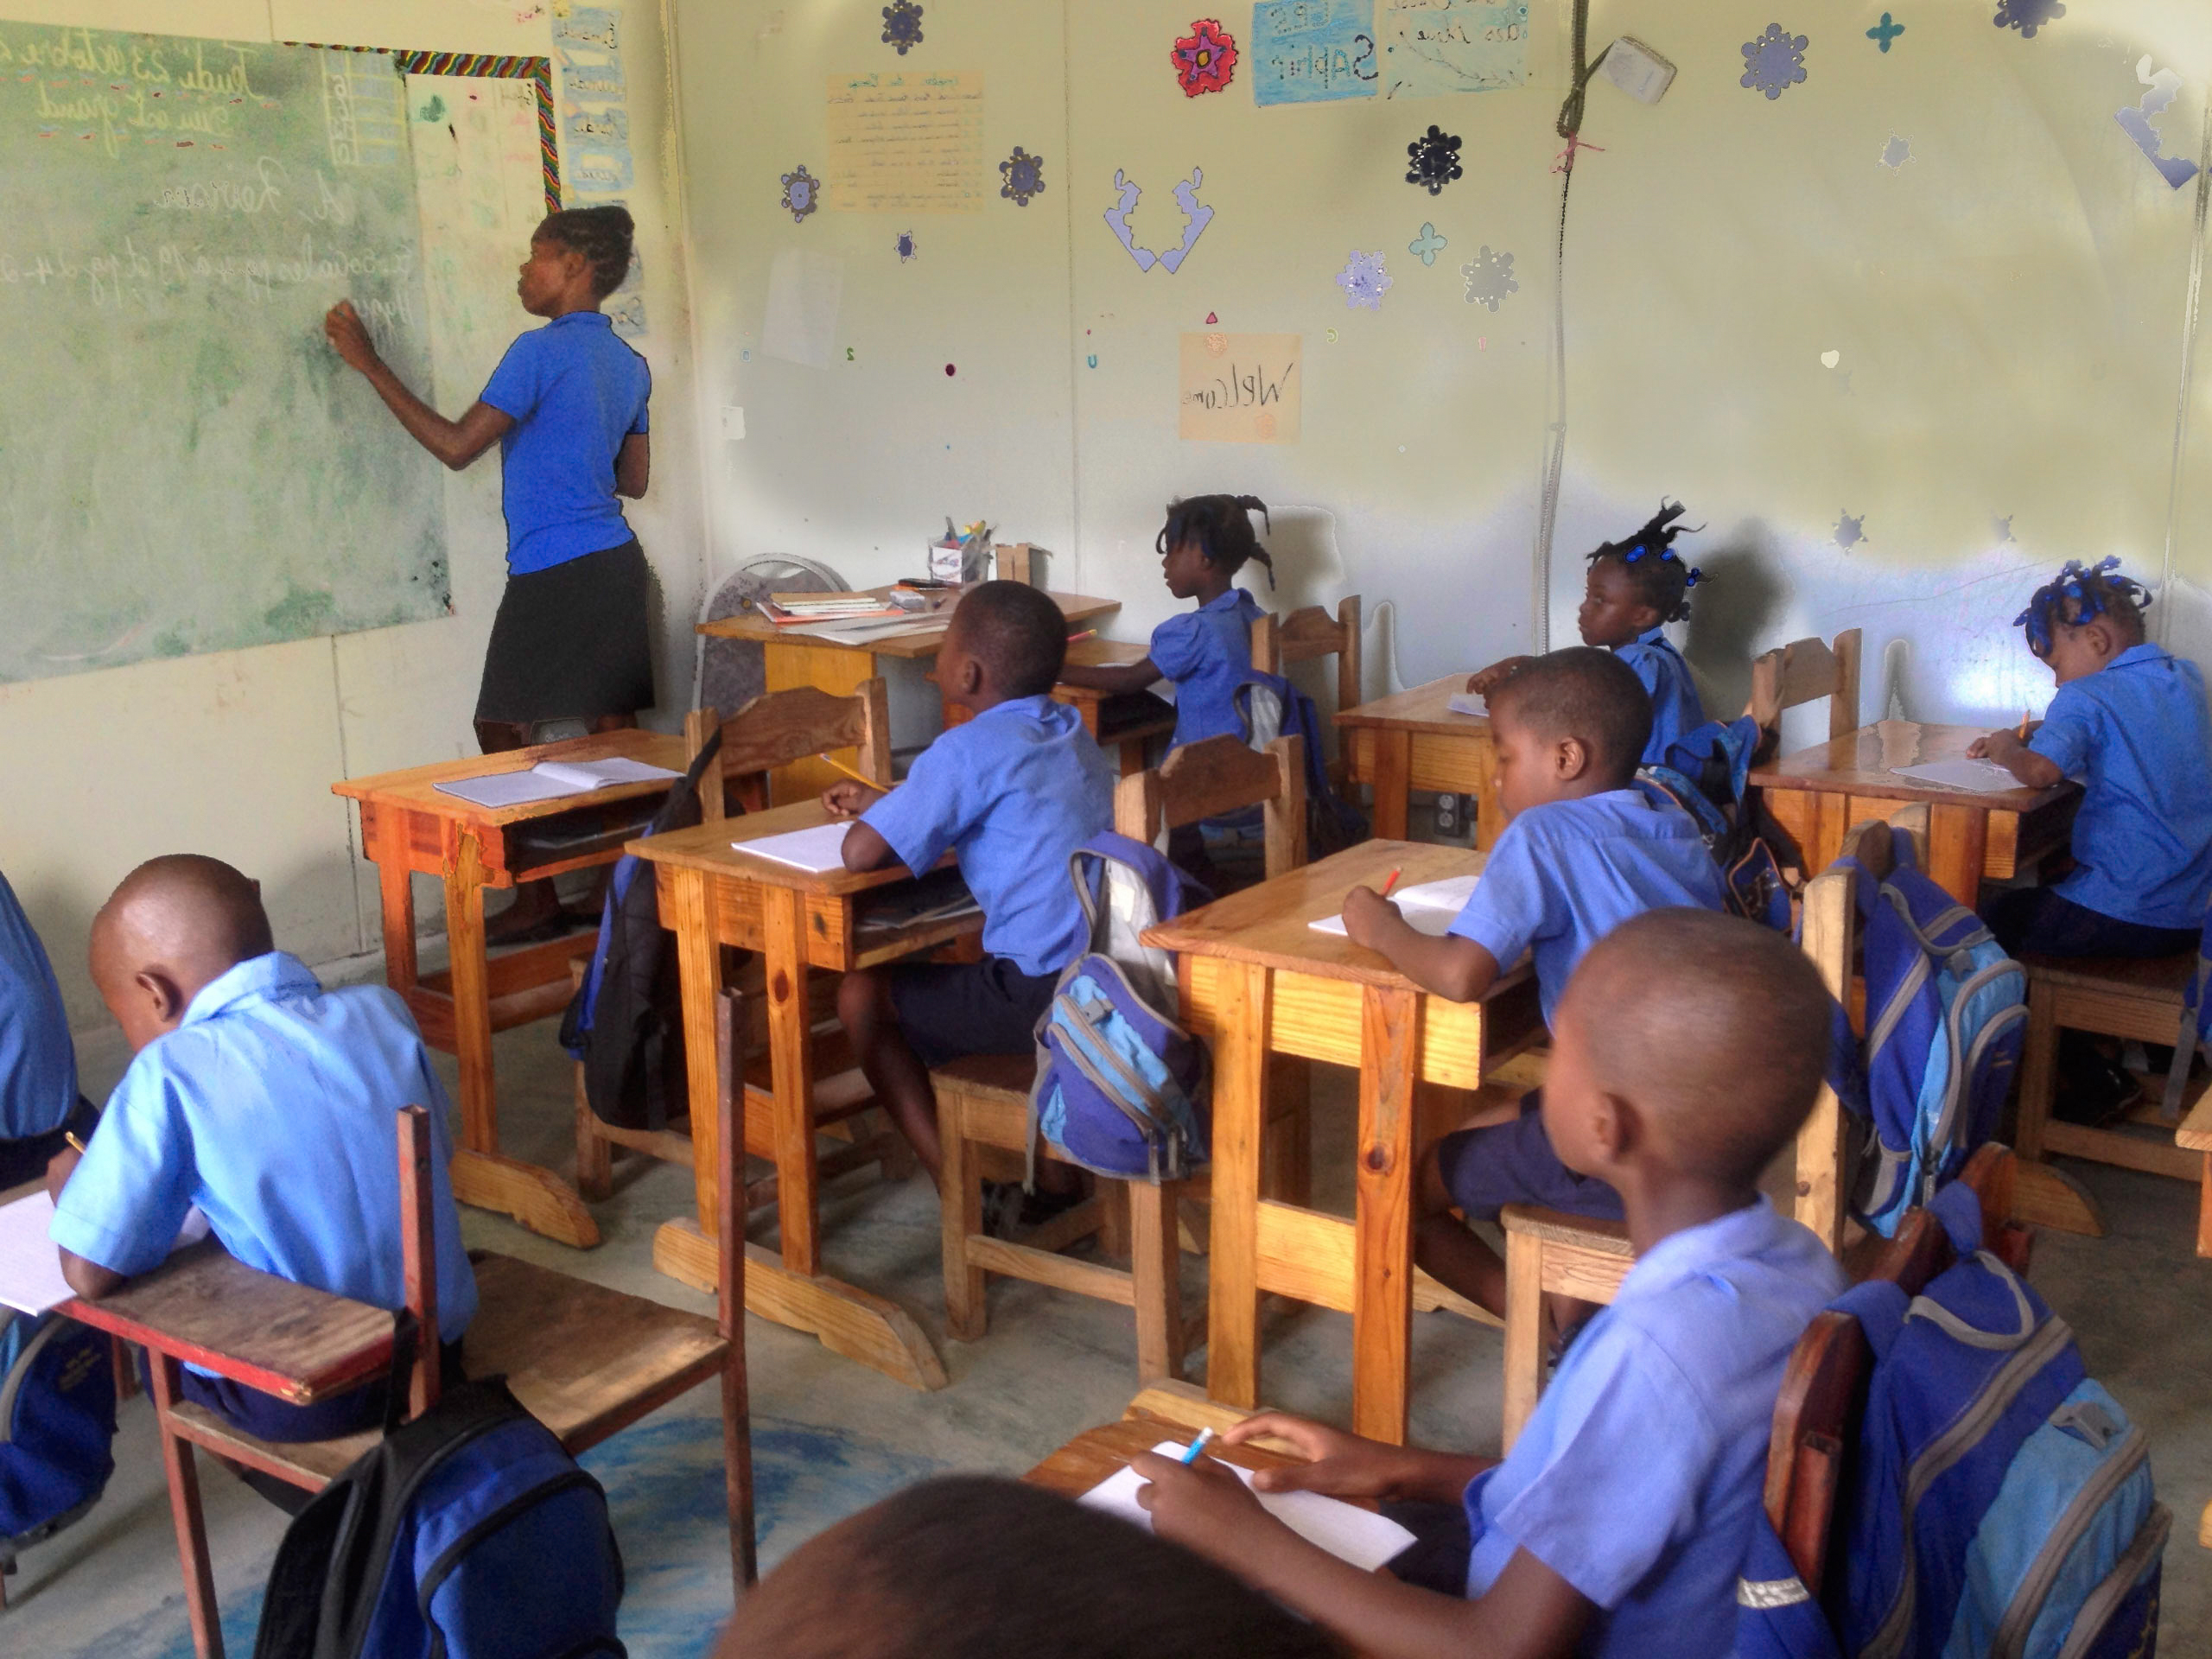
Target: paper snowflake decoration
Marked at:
1775, 62
802, 194
1895, 153
1363, 280
1024, 175
1850, 531
1425, 246
902, 25
1489, 277
903, 245
1435, 158
1205, 59
2027, 15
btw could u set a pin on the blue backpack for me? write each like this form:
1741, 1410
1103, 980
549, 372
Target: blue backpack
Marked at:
466, 1534
1707, 773
57, 1426
1946, 1016
1271, 707
1122, 1087
2001, 1498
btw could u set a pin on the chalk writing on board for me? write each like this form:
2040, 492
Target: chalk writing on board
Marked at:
114, 91
1310, 51
1453, 46
1239, 388
905, 141
365, 109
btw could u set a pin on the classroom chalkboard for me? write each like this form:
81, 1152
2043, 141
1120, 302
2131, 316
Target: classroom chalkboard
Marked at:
185, 465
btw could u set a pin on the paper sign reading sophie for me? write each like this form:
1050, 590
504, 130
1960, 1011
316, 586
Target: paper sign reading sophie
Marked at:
1240, 388
905, 141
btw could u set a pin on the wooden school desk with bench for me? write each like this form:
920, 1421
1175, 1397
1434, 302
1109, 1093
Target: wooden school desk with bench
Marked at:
1414, 740
409, 825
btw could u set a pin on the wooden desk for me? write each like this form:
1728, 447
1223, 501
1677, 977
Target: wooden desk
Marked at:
713, 894
1126, 720
408, 825
1413, 740
1258, 980
1097, 1454
1819, 793
795, 659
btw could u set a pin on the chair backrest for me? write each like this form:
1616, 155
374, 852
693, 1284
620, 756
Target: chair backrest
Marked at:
418, 1254
1216, 776
783, 726
1824, 1386
1830, 938
1308, 633
1805, 671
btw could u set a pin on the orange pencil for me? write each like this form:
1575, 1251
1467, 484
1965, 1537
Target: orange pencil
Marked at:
1085, 634
2023, 725
1392, 882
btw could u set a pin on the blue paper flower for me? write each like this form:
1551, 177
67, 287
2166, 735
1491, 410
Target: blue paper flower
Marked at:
2027, 15
802, 192
1024, 175
1363, 280
1435, 158
902, 25
1774, 62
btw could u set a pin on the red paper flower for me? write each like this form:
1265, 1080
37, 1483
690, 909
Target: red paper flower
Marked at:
1205, 59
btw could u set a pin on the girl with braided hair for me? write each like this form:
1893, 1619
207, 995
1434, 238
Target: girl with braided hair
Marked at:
1635, 587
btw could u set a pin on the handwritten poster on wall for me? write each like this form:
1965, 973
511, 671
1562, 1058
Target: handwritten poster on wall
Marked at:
1453, 46
1240, 388
596, 165
1313, 51
905, 141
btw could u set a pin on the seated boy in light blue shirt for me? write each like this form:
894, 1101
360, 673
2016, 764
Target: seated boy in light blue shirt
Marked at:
265, 1101
1011, 793
38, 1063
1583, 850
1687, 1052
2129, 720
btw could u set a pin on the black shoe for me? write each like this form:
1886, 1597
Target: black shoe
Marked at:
2092, 1090
1009, 1210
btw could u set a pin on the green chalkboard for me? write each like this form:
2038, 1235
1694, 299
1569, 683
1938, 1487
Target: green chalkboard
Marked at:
185, 465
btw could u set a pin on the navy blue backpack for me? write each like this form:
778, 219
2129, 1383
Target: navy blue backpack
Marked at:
466, 1534
1121, 1086
1707, 773
1271, 707
57, 1426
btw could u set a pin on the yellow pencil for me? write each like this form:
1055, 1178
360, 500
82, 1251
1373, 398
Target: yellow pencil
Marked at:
858, 778
70, 1136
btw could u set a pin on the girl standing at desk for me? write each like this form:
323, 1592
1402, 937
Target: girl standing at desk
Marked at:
566, 407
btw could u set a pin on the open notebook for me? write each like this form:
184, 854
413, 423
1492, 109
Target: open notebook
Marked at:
1428, 907
818, 851
549, 780
1346, 1531
30, 1267
1980, 777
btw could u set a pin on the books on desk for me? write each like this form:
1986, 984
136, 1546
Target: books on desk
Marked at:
818, 851
1429, 907
1346, 1531
30, 1267
549, 780
1466, 703
797, 610
1977, 777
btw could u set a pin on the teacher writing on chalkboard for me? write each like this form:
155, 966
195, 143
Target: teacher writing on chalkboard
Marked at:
566, 407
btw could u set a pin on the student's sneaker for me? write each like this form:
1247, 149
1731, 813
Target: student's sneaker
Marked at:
1010, 1211
2093, 1089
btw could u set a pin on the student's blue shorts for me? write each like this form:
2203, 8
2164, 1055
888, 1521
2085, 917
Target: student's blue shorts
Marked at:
1488, 1168
948, 1009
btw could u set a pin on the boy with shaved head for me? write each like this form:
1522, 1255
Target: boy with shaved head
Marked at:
264, 1099
1688, 1051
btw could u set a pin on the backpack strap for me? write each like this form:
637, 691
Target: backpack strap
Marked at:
1879, 1306
2003, 1342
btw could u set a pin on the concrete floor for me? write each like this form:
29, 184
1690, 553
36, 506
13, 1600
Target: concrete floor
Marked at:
830, 1436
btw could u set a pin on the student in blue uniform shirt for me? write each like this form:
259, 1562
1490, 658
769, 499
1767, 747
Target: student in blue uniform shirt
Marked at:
1011, 793
1689, 1049
38, 1063
265, 1101
566, 407
1582, 851
2129, 721
1635, 587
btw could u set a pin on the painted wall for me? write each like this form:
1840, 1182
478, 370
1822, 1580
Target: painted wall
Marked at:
2006, 307
233, 754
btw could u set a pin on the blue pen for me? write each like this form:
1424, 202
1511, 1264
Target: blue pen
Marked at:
1197, 1446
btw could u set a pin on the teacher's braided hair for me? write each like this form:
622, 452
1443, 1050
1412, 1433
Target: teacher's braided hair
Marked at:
606, 237
2080, 592
1221, 526
1661, 580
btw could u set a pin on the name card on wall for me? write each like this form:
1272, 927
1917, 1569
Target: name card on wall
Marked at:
905, 141
1240, 388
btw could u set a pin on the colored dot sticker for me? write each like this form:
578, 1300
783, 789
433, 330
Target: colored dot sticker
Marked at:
947, 370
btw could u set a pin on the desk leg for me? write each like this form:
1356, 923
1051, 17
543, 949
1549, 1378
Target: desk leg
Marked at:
1383, 1244
699, 980
1393, 761
200, 1606
1240, 1110
482, 1177
395, 891
791, 1060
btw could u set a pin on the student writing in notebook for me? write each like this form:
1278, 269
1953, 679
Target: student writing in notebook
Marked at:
1582, 851
271, 1103
1687, 1052
1011, 793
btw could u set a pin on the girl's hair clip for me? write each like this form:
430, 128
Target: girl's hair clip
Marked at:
2079, 584
1694, 577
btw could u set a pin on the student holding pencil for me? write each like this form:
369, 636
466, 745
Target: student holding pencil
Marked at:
566, 407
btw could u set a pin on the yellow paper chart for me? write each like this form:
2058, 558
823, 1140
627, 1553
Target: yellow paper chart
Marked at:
905, 141
1240, 388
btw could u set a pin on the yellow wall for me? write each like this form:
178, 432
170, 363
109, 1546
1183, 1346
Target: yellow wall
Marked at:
2007, 308
234, 753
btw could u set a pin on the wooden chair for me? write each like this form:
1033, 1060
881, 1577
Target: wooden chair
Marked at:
586, 1360
2151, 1002
1805, 671
1549, 1252
1305, 634
769, 732
982, 1100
